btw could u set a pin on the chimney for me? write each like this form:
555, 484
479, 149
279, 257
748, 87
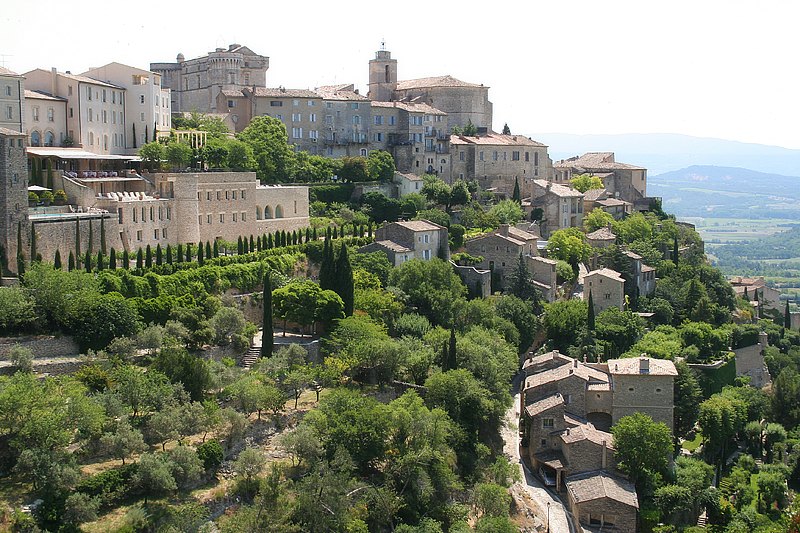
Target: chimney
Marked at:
644, 365
53, 81
575, 363
356, 91
763, 340
554, 354
603, 459
503, 230
233, 46
609, 226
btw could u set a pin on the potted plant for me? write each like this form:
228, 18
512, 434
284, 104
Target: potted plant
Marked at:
46, 197
60, 197
33, 199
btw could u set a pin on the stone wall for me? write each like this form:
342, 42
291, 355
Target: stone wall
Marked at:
650, 394
750, 363
41, 345
612, 512
59, 234
475, 278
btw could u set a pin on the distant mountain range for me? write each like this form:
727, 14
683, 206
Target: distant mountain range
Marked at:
701, 190
664, 152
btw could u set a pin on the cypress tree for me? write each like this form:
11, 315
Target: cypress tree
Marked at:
33, 242
188, 257
308, 234
294, 237
57, 260
328, 233
369, 229
252, 244
445, 357
148, 257
675, 254
139, 259
746, 297
327, 269
179, 253
216, 248
268, 333
341, 231
3, 260
208, 250
87, 261
159, 255
361, 230
90, 245
200, 259
239, 247
103, 234
284, 239
259, 244
270, 243
314, 233
787, 317
20, 256
169, 254
344, 280
112, 260
452, 363
49, 174
516, 196
590, 320
100, 261
71, 262
155, 131
126, 259
77, 237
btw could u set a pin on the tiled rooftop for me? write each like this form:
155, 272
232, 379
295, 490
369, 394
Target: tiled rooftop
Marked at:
435, 81
606, 272
642, 365
599, 484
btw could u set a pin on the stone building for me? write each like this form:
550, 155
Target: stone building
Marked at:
148, 111
643, 276
12, 91
13, 193
603, 501
607, 288
195, 83
756, 289
46, 119
620, 180
415, 239
498, 161
463, 102
561, 206
600, 198
408, 183
642, 384
96, 119
750, 362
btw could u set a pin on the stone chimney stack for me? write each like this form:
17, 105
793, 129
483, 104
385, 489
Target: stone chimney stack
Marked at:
53, 81
644, 365
603, 458
503, 230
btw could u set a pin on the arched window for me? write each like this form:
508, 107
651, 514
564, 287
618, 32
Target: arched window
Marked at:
267, 212
36, 138
258, 212
49, 139
278, 211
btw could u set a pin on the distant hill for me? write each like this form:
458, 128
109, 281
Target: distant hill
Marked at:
726, 192
664, 152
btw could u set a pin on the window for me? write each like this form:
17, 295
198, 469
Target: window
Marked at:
426, 239
392, 120
134, 214
297, 117
113, 97
8, 90
297, 133
548, 423
313, 134
234, 195
356, 120
494, 156
88, 93
105, 117
231, 103
354, 105
222, 218
426, 254
536, 158
69, 90
164, 233
295, 103
544, 443
71, 114
377, 137
311, 103
208, 195
244, 217
155, 234
49, 139
235, 217
378, 120
275, 103
208, 219
630, 389
312, 117
480, 156
35, 110
91, 115
515, 156
329, 119
462, 156
527, 156
243, 194
141, 116
139, 235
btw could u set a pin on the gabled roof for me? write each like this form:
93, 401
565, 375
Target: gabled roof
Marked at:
593, 195
419, 225
436, 81
38, 95
634, 366
612, 202
509, 239
282, 92
393, 246
600, 484
547, 358
589, 433
342, 92
10, 133
595, 161
521, 235
544, 404
565, 371
411, 107
558, 190
80, 79
408, 176
607, 273
602, 234
6, 72
496, 139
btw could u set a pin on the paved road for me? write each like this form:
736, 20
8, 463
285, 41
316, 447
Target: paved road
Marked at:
559, 520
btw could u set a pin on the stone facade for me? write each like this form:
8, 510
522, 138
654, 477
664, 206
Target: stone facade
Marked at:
148, 105
195, 83
768, 297
347, 115
607, 288
13, 193
750, 363
46, 119
416, 239
562, 207
408, 183
41, 345
621, 180
12, 100
644, 276
603, 501
96, 119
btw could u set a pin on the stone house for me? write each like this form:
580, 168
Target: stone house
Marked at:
414, 239
750, 362
604, 501
768, 297
346, 123
643, 276
600, 198
562, 207
195, 83
13, 192
46, 119
408, 183
12, 100
607, 288
642, 384
620, 180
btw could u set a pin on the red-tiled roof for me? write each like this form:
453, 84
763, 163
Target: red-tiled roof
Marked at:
435, 81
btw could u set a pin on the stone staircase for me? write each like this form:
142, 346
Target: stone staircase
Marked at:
702, 520
250, 357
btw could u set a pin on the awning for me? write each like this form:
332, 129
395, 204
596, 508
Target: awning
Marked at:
76, 153
38, 188
106, 180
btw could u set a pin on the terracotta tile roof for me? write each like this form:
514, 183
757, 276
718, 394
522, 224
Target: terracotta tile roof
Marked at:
86, 79
411, 107
552, 458
420, 225
496, 139
521, 234
606, 272
647, 268
6, 72
38, 95
595, 161
409, 176
564, 371
632, 255
593, 195
636, 365
437, 81
232, 93
587, 432
511, 240
393, 246
281, 92
544, 404
602, 234
544, 260
546, 359
340, 92
6, 131
600, 484
612, 202
558, 190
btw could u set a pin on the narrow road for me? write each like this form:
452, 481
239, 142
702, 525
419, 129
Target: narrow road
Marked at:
560, 521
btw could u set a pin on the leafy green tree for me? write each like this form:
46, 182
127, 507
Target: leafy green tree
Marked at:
123, 442
586, 182
562, 322
182, 367
491, 499
597, 219
380, 165
720, 418
522, 286
642, 448
269, 142
569, 245
463, 398
618, 330
162, 427
80, 508
153, 476
687, 396
301, 444
507, 212
178, 154
431, 286
210, 454
305, 303
95, 319
240, 156
185, 465
152, 155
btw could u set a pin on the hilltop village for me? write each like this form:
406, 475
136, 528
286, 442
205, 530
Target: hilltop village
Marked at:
234, 307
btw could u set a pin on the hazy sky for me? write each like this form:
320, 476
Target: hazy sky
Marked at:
712, 68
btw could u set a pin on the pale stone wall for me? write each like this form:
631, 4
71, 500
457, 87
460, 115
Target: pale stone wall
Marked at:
612, 512
543, 271
462, 104
58, 233
606, 292
41, 345
475, 278
45, 109
645, 393
750, 363
585, 456
14, 85
13, 194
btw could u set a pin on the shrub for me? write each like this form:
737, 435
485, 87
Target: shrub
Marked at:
210, 452
110, 485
